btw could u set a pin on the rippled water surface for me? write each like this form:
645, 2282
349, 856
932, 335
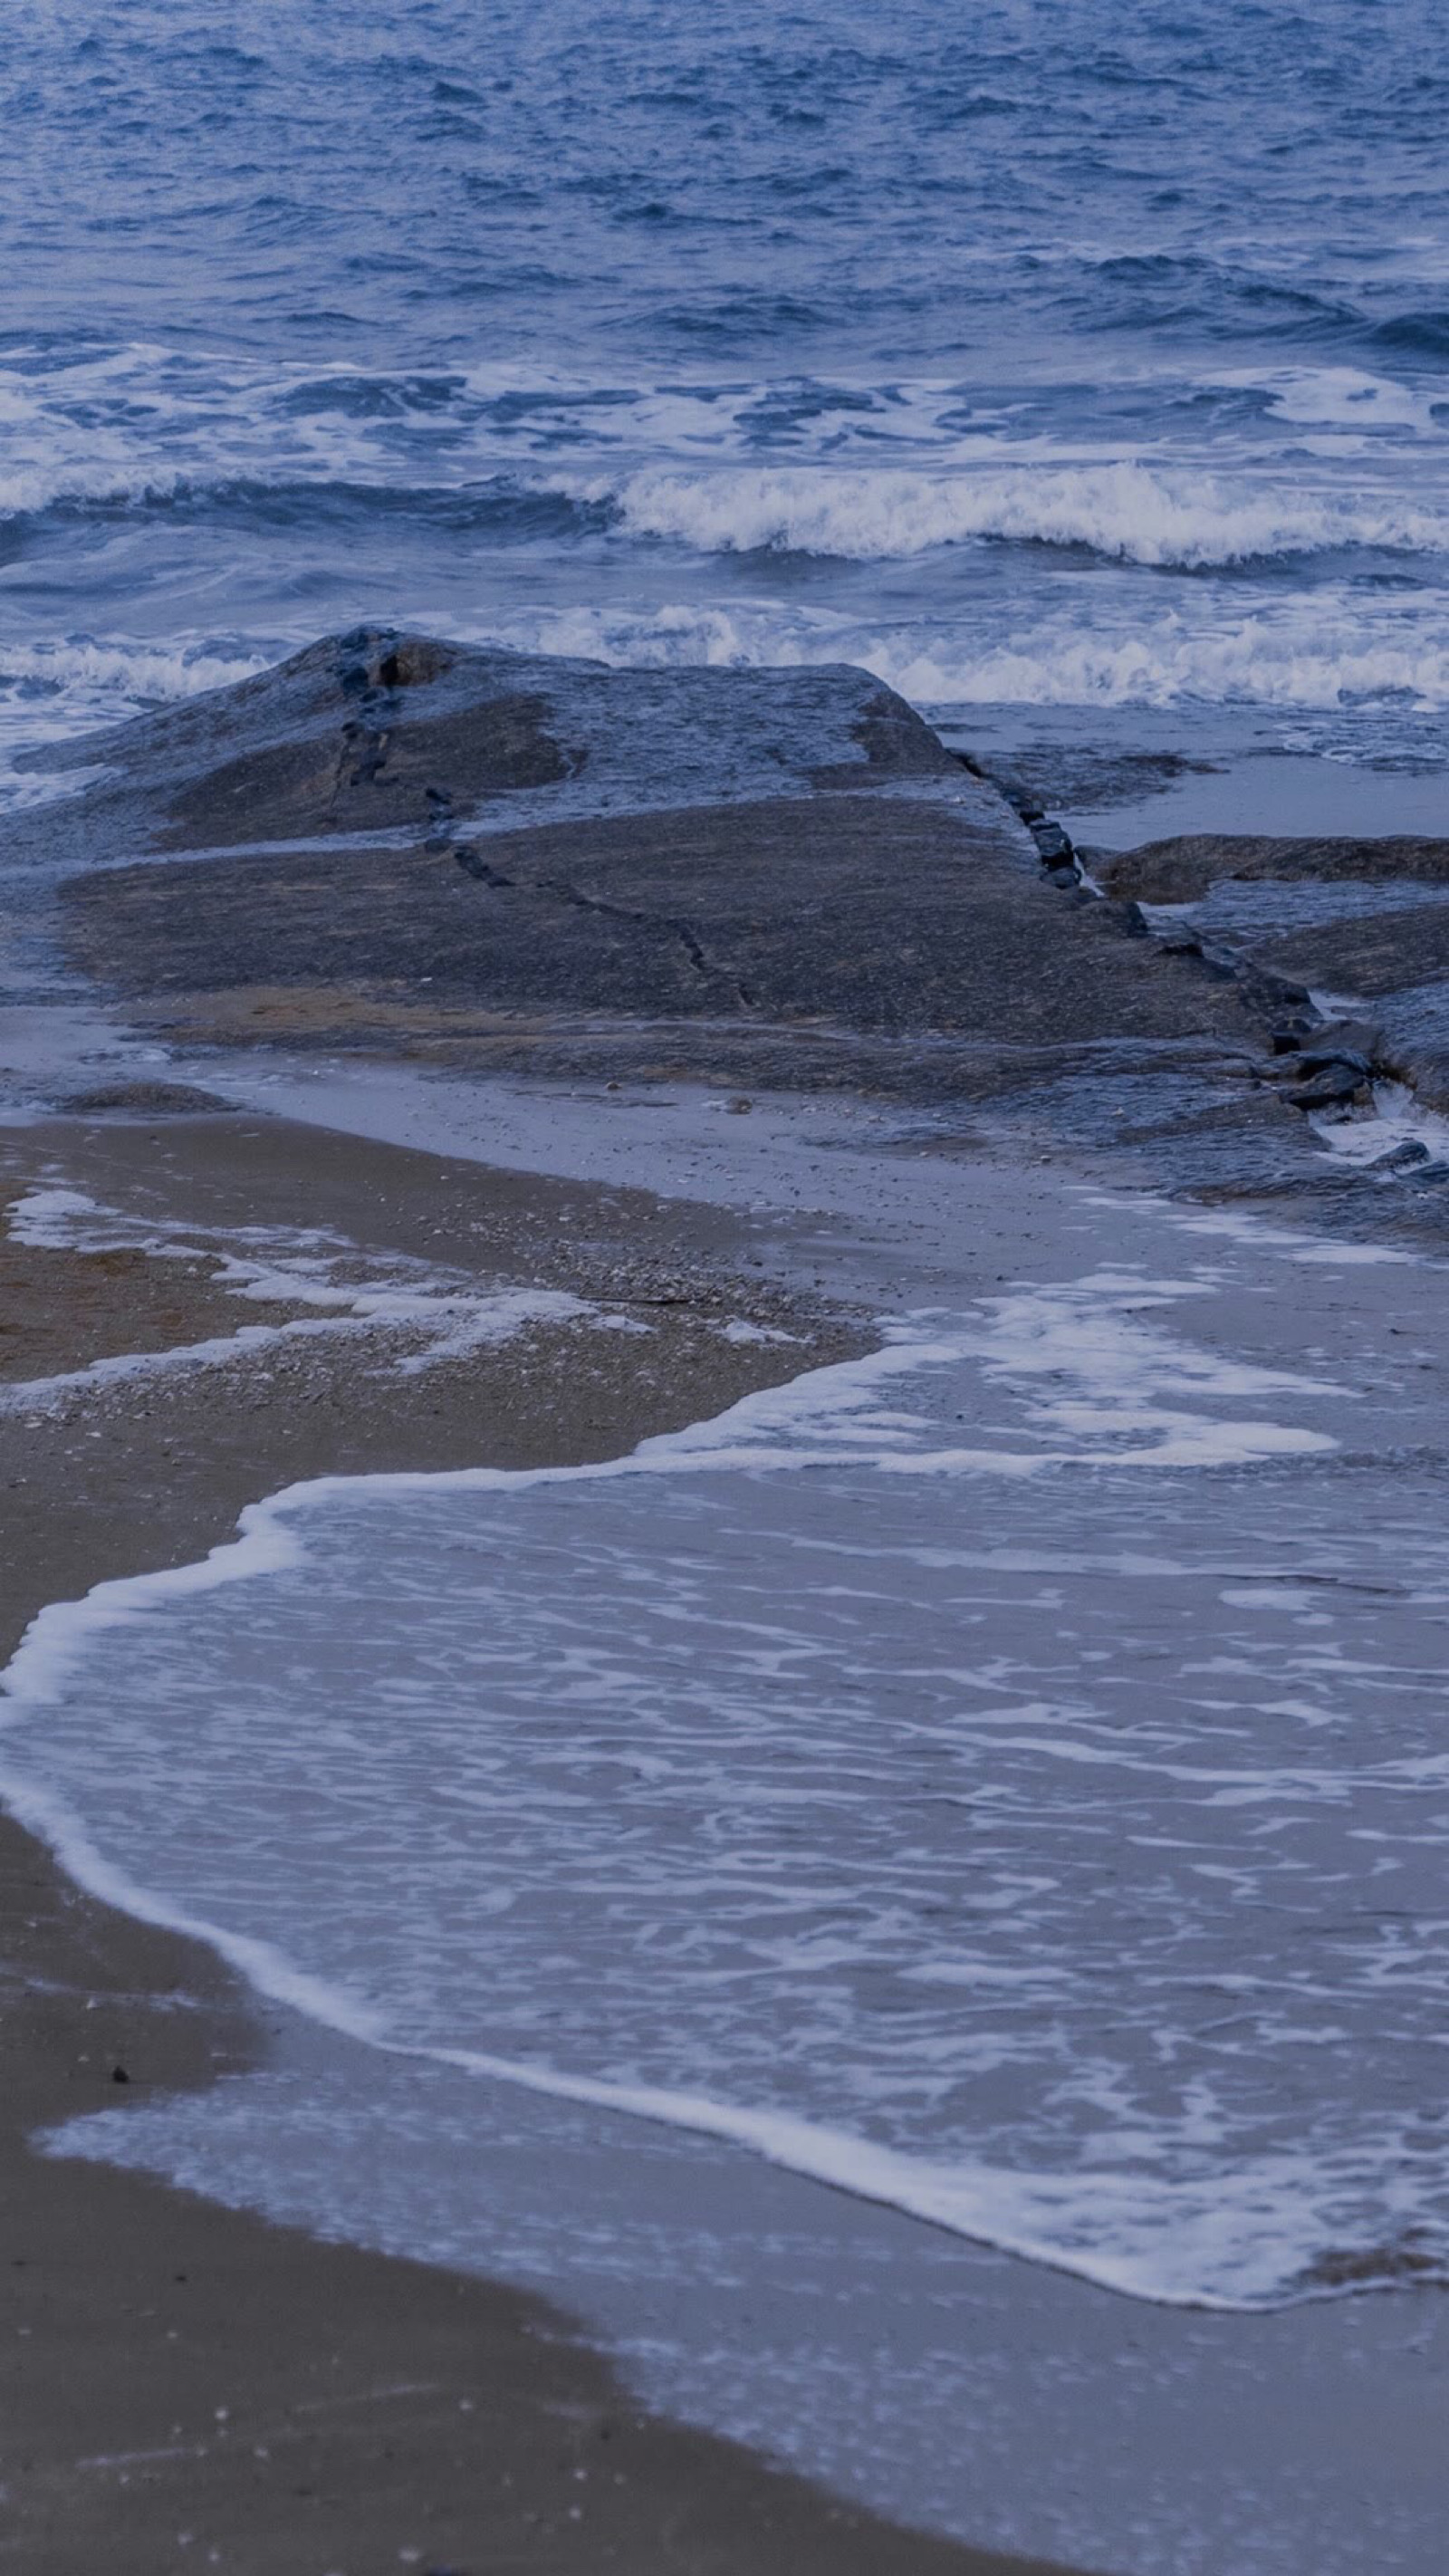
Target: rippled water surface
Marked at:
1004, 1777
1031, 355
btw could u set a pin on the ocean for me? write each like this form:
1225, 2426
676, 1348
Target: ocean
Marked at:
1081, 363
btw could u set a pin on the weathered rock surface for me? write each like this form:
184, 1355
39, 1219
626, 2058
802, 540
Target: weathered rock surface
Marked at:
1050, 775
431, 829
879, 918
1358, 922
1183, 869
753, 879
1376, 955
379, 732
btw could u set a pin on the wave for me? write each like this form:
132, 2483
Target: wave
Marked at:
1126, 512
1420, 334
123, 669
50, 692
1133, 512
28, 489
852, 470
502, 507
1301, 661
1322, 653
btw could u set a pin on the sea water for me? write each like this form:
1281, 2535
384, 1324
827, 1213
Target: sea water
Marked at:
1037, 358
1003, 1777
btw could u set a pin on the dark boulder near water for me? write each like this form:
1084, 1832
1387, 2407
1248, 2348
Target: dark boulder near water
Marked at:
426, 827
752, 879
1362, 924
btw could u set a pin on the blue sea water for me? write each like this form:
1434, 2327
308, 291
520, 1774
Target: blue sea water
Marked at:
1061, 358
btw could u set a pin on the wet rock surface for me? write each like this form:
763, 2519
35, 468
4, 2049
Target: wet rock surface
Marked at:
379, 732
758, 880
1183, 869
466, 829
904, 918
1355, 926
1078, 775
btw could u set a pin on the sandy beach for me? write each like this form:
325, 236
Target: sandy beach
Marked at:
179, 2367
183, 2384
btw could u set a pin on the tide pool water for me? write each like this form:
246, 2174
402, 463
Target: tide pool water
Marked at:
1003, 1777
1033, 357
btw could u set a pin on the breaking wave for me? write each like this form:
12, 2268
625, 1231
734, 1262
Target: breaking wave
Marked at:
1327, 652
50, 692
1132, 512
121, 668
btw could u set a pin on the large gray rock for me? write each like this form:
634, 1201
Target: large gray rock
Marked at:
391, 828
747, 878
380, 732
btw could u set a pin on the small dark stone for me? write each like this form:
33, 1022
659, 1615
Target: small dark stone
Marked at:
1323, 1059
1268, 990
1131, 918
119, 2075
1051, 841
1343, 1042
1064, 877
1337, 1086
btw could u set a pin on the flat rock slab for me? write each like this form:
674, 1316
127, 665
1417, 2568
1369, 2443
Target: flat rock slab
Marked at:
392, 836
875, 917
1380, 954
760, 880
375, 732
1183, 869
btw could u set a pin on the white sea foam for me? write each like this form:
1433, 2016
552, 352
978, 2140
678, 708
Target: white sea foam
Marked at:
1330, 650
124, 666
1143, 513
52, 689
1086, 1376
1396, 1118
1230, 2240
415, 1303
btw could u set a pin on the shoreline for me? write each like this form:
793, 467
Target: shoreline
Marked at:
757, 1215
186, 2369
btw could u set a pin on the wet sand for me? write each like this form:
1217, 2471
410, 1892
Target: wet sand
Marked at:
185, 2385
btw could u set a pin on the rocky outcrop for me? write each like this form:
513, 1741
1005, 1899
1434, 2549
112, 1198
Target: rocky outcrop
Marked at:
751, 879
1184, 869
1356, 926
463, 835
